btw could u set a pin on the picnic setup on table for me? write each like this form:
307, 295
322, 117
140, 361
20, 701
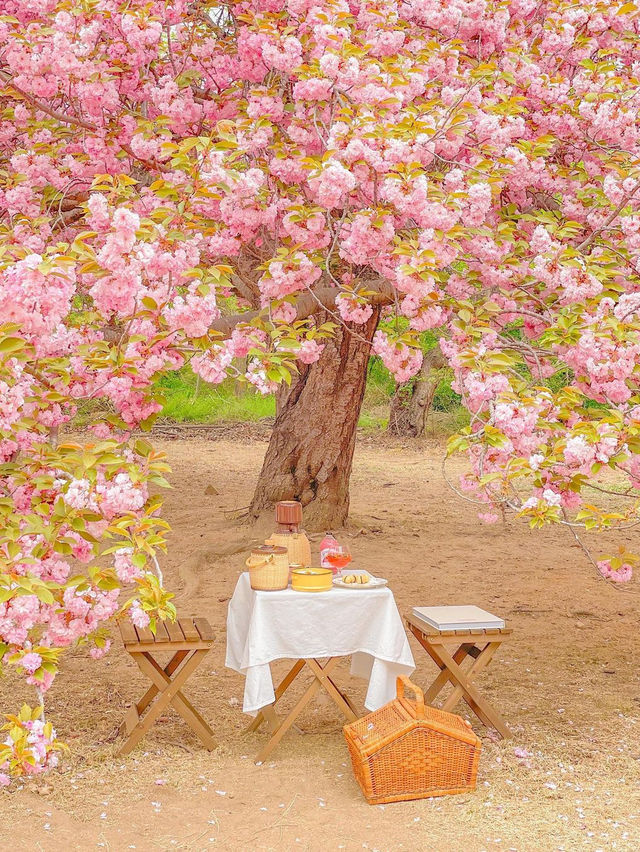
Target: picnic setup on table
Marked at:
283, 608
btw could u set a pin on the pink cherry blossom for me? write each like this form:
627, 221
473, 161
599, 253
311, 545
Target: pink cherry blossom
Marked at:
617, 575
138, 616
31, 662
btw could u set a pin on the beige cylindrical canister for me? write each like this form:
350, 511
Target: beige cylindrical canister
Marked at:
268, 568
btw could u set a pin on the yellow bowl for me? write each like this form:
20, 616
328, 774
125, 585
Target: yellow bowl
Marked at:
311, 579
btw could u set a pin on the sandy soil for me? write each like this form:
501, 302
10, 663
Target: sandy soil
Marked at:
567, 684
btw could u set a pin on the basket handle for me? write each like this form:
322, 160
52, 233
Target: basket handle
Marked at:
264, 562
402, 683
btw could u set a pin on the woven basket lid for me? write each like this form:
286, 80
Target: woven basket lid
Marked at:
288, 512
269, 550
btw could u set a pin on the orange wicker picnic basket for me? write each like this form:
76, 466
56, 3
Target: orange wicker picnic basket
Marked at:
406, 750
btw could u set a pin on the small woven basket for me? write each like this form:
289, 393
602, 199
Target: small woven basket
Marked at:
268, 568
406, 750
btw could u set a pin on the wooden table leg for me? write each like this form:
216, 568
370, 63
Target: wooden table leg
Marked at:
282, 687
168, 690
356, 713
272, 718
286, 723
480, 706
322, 673
321, 681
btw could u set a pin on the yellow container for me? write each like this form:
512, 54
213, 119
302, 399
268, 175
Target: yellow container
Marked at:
311, 579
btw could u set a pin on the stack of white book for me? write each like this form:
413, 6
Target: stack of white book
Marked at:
458, 617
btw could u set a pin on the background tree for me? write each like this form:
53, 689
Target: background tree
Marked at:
244, 186
411, 401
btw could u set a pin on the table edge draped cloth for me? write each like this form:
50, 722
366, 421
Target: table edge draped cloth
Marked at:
364, 623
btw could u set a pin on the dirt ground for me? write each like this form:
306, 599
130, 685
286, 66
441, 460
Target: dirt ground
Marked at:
567, 684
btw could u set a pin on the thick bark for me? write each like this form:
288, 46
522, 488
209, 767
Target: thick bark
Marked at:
310, 453
282, 395
412, 400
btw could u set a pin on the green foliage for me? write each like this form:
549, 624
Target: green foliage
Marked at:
372, 421
381, 384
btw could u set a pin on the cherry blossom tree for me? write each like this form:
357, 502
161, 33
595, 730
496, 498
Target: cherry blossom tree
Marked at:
272, 189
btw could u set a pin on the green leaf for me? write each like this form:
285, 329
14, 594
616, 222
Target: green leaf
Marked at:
43, 594
139, 560
161, 481
11, 344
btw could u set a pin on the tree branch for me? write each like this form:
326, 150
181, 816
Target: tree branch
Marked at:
59, 116
70, 119
584, 245
307, 303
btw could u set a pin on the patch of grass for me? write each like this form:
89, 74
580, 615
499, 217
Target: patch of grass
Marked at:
380, 384
445, 398
187, 400
442, 424
372, 421
190, 401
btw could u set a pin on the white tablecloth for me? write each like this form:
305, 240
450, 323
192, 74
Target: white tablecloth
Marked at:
267, 626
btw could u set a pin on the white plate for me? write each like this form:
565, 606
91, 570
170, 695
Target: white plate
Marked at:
374, 582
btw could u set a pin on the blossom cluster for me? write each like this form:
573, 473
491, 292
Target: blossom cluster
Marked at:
621, 574
30, 747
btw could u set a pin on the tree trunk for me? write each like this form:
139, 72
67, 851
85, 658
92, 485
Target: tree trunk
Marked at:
412, 400
282, 395
310, 453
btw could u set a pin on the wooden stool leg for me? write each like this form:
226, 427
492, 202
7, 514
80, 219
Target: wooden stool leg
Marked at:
480, 706
167, 688
131, 718
179, 702
482, 660
443, 678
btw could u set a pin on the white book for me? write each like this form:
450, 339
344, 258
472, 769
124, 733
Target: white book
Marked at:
458, 617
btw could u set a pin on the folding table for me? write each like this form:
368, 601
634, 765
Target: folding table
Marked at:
315, 630
480, 645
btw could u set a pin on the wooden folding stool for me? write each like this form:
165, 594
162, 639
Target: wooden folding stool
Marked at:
190, 639
480, 645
